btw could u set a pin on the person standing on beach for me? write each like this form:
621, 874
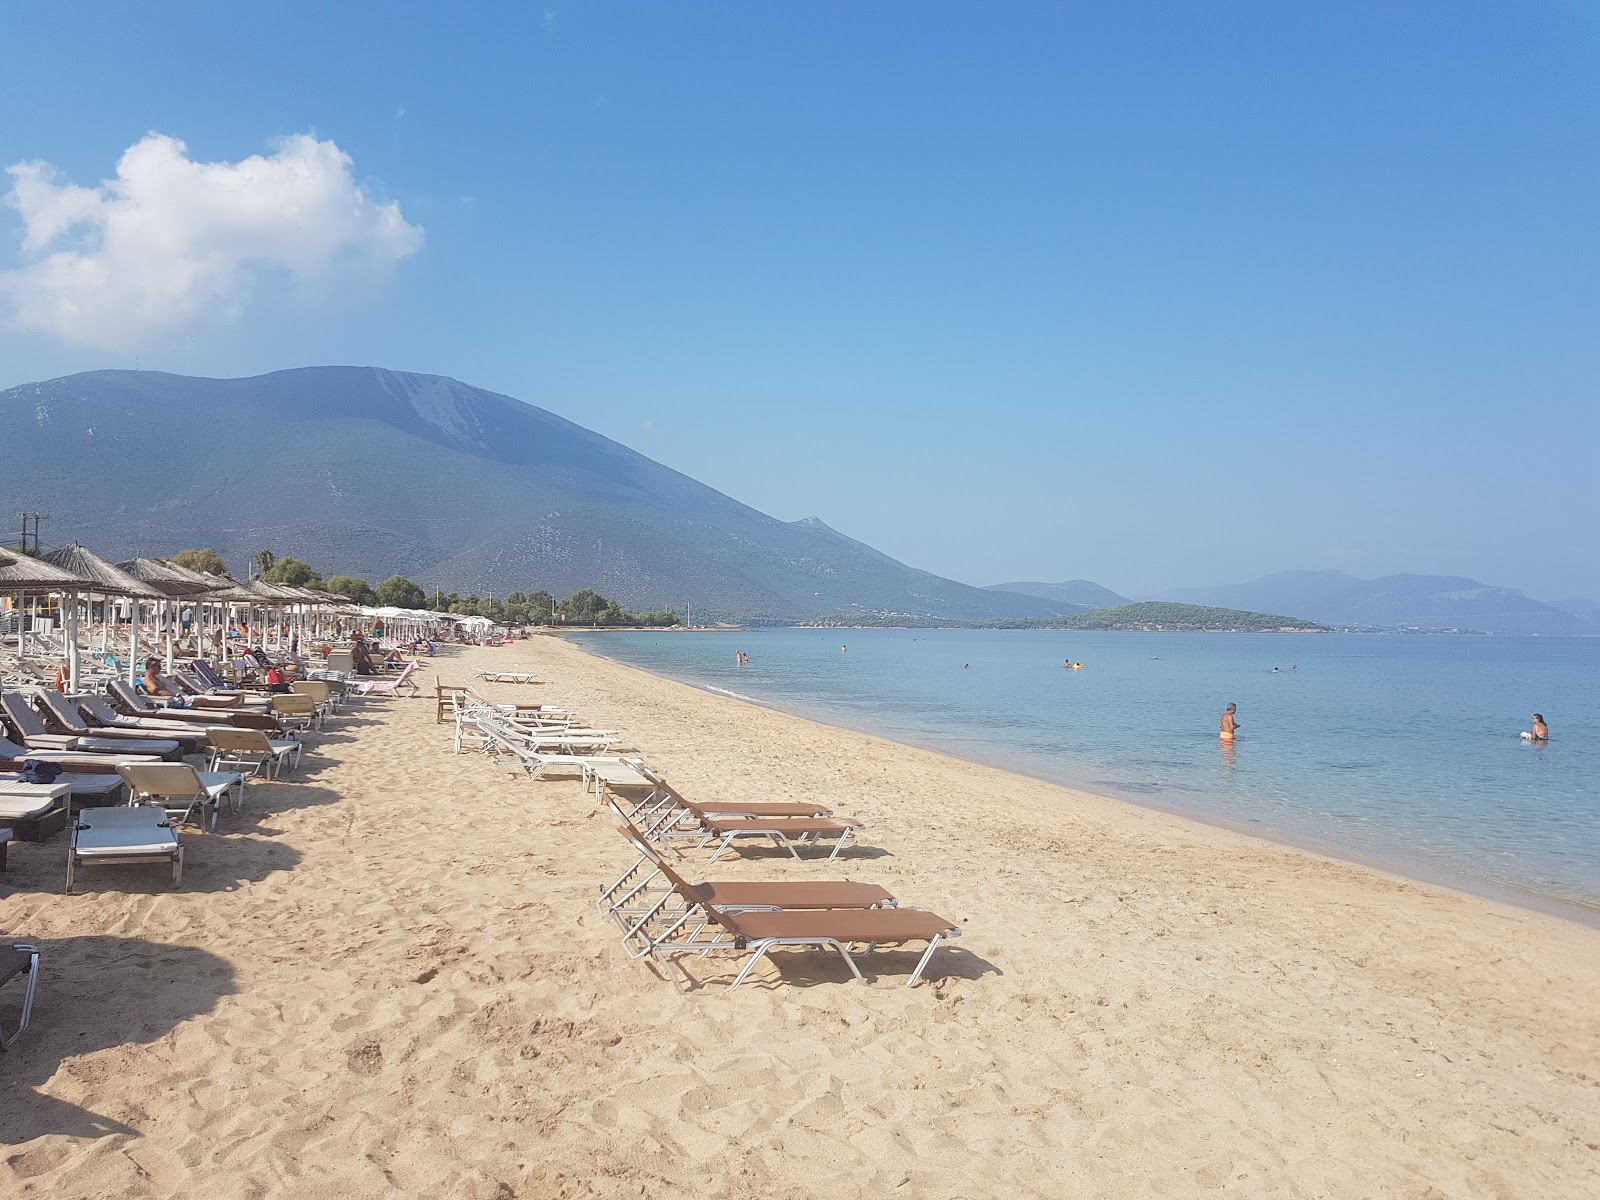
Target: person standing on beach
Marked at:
1228, 724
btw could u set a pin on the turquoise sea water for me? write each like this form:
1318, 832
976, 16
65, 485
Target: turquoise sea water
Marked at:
1399, 749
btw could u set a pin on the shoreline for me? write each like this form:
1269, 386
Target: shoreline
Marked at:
1526, 899
387, 976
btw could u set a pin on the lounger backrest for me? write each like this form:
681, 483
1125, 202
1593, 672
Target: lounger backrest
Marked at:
204, 670
97, 708
9, 749
253, 741
319, 690
161, 779
63, 711
21, 715
176, 686
682, 886
293, 703
125, 691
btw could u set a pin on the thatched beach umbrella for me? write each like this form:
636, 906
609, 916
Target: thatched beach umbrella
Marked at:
21, 576
100, 577
178, 583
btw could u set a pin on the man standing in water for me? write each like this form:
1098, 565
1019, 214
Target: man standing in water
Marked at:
1227, 725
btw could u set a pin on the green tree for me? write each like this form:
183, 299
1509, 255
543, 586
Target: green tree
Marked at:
585, 607
516, 598
399, 592
357, 590
265, 559
206, 560
540, 606
292, 572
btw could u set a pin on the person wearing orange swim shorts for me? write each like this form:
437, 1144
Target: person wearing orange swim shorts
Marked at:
1228, 724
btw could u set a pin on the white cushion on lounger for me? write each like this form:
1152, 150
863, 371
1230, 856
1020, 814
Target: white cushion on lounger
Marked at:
117, 831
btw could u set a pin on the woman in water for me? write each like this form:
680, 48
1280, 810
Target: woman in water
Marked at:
1540, 731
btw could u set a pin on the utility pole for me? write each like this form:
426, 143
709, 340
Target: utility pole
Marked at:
34, 517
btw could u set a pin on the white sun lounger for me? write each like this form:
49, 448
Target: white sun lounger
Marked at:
110, 836
237, 749
506, 676
180, 789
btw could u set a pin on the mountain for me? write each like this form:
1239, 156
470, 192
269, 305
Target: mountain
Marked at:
1074, 595
368, 472
1395, 601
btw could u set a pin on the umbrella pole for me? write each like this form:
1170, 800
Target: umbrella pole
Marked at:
133, 638
166, 619
72, 642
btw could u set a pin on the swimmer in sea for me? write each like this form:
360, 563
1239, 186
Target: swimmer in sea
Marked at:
1540, 731
1227, 725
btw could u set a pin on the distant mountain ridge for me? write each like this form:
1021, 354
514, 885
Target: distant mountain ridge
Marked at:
1394, 601
370, 472
1073, 595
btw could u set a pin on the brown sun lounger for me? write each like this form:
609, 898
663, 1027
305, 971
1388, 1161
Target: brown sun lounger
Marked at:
68, 719
787, 832
632, 904
30, 728
12, 757
703, 925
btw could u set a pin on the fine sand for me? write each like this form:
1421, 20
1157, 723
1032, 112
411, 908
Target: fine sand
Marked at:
388, 977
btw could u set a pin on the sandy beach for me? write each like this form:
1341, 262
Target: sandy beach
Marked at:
388, 977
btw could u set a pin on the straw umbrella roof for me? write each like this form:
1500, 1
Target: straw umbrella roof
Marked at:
169, 579
98, 574
25, 575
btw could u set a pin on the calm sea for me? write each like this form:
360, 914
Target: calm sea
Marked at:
1397, 749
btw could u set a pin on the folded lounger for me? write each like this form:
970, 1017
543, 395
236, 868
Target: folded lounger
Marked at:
632, 901
30, 727
19, 960
136, 704
108, 836
69, 720
251, 749
180, 790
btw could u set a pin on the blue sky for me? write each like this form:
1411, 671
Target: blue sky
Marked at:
1156, 295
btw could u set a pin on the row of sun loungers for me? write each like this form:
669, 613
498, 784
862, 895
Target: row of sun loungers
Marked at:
662, 915
137, 771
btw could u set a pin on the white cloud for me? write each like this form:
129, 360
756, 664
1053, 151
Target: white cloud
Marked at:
171, 243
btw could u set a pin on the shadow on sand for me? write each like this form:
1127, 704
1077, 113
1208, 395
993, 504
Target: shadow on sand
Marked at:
95, 993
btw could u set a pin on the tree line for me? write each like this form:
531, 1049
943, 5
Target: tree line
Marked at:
587, 607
